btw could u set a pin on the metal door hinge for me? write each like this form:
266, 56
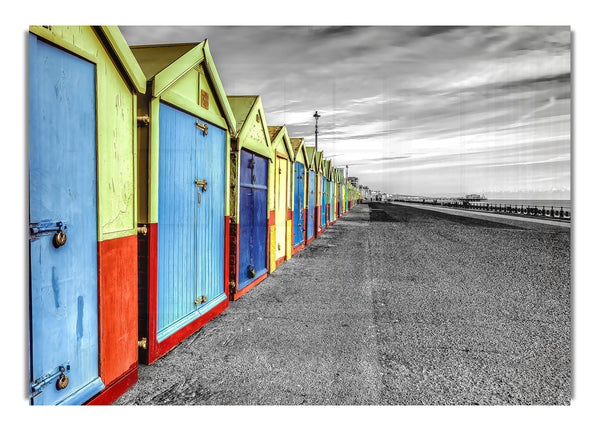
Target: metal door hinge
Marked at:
143, 120
142, 230
143, 343
200, 300
203, 127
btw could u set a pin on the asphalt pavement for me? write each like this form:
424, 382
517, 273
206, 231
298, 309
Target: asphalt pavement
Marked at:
390, 305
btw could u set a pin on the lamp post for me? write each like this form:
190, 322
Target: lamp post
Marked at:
317, 116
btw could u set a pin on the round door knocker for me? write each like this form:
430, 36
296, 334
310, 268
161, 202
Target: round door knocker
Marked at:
59, 239
63, 380
251, 272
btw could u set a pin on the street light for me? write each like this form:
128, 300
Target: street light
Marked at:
317, 116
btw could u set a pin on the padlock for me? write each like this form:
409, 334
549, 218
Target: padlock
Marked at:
251, 272
62, 382
59, 239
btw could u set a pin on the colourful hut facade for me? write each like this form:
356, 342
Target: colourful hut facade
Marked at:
330, 184
319, 204
298, 184
83, 82
281, 241
252, 196
184, 124
311, 195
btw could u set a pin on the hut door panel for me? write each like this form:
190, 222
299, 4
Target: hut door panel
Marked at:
62, 190
311, 205
280, 222
252, 218
323, 202
331, 200
298, 204
210, 207
177, 201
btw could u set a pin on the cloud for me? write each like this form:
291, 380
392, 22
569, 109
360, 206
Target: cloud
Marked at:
442, 99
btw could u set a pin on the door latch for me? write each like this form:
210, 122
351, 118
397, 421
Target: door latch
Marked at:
46, 228
201, 183
203, 127
200, 300
58, 374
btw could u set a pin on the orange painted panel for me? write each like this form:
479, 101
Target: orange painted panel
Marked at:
118, 295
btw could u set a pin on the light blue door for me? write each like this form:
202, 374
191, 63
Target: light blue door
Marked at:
298, 204
62, 200
191, 220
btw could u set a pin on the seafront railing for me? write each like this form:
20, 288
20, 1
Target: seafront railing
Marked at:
550, 212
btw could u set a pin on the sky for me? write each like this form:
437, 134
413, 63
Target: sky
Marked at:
429, 111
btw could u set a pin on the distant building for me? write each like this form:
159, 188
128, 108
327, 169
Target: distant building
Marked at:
364, 191
353, 181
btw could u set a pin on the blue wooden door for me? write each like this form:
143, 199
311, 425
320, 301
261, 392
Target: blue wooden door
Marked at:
331, 200
252, 218
310, 219
191, 212
62, 196
346, 197
324, 203
298, 204
210, 224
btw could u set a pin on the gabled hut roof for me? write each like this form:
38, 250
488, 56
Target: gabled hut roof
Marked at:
167, 63
299, 146
279, 134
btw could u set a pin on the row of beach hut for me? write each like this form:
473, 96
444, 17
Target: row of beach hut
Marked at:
154, 200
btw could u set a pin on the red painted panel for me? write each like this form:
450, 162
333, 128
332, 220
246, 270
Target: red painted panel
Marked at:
151, 354
297, 249
169, 343
280, 261
117, 306
226, 278
318, 209
234, 238
116, 389
232, 258
249, 287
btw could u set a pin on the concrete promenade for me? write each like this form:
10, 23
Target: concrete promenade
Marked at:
488, 215
391, 305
